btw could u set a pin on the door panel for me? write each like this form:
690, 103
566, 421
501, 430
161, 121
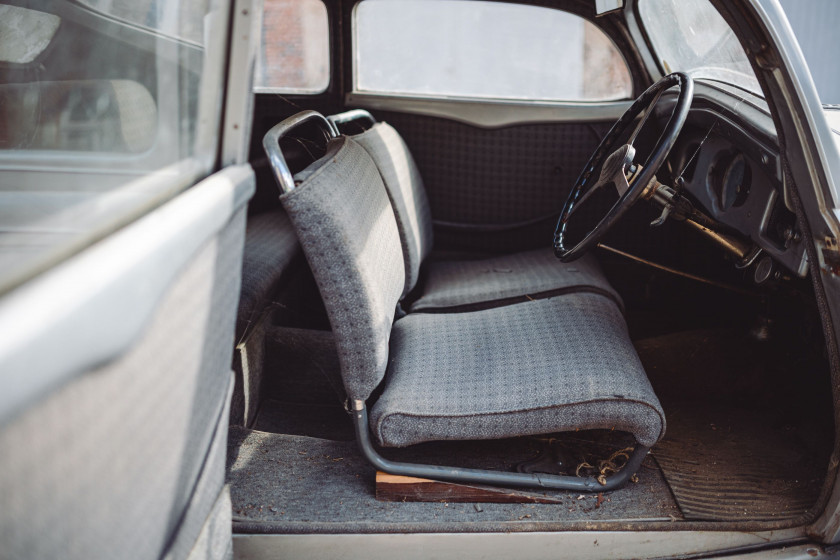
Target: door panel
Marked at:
116, 457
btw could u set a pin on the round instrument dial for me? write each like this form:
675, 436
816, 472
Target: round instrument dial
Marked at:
735, 183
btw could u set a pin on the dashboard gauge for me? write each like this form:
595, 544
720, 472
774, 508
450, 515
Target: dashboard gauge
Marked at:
763, 270
735, 183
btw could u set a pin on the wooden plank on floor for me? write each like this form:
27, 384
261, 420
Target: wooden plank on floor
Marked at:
393, 488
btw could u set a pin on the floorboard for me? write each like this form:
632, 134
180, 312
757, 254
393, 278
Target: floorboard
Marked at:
303, 484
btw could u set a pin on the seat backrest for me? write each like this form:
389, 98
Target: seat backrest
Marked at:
346, 227
408, 195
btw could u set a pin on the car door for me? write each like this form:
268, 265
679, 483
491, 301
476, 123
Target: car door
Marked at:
122, 214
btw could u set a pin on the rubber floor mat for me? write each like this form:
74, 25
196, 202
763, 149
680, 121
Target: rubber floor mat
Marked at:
724, 464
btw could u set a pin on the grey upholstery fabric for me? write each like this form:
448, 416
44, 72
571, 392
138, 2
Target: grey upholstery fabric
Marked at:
465, 282
215, 541
106, 466
207, 492
270, 245
496, 175
248, 369
563, 363
462, 283
348, 232
408, 195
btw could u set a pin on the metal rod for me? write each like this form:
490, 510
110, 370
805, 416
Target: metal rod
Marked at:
271, 144
665, 196
676, 272
351, 115
496, 478
728, 242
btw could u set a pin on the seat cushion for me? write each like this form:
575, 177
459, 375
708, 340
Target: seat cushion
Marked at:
270, 246
550, 365
471, 284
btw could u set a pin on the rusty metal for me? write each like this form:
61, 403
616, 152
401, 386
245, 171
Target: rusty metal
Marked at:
745, 251
676, 272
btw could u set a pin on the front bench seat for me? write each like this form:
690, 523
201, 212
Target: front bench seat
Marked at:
555, 364
461, 284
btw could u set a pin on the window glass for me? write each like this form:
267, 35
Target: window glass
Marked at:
691, 36
181, 19
103, 119
24, 34
484, 49
294, 53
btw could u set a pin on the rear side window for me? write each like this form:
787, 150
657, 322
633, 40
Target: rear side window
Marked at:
295, 48
480, 49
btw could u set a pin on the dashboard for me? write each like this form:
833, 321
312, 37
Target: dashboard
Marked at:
728, 156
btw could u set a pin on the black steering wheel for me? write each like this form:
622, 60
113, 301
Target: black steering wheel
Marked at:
616, 162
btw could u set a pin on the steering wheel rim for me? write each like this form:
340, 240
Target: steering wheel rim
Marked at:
614, 161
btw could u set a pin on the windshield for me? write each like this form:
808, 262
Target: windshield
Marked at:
691, 36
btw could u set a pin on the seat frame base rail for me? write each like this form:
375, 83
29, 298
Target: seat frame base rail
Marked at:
489, 477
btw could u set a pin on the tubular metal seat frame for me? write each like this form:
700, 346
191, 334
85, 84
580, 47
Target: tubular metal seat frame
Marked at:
358, 408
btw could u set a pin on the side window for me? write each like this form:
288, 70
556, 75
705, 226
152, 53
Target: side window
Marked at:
482, 49
108, 109
294, 51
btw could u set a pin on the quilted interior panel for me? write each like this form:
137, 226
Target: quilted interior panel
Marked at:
496, 176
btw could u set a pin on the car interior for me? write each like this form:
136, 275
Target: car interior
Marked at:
590, 299
504, 365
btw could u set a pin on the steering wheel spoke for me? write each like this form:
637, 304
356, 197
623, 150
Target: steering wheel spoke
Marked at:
616, 162
648, 112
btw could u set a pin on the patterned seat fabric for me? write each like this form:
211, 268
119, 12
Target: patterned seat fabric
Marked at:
462, 284
550, 365
270, 246
470, 284
553, 364
347, 229
408, 195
